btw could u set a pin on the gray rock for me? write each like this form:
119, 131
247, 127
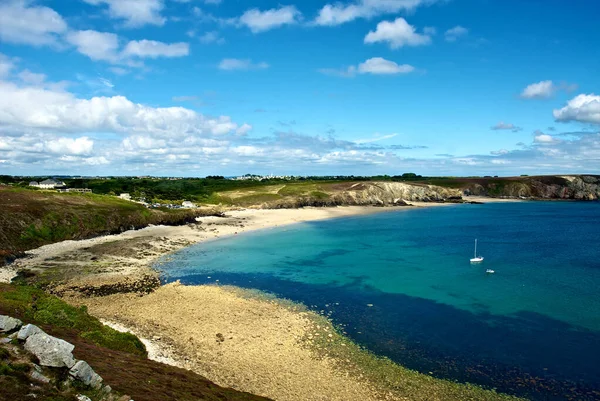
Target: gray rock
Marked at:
82, 397
27, 331
8, 323
51, 351
84, 372
5, 340
35, 375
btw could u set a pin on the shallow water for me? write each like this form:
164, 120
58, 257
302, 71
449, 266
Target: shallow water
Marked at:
532, 328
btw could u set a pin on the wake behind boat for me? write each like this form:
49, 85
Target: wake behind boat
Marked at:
476, 259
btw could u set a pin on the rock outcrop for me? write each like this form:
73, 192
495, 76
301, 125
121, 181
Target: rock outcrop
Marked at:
572, 187
27, 331
83, 372
366, 193
55, 356
50, 351
8, 324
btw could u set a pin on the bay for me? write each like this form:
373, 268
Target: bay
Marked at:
531, 329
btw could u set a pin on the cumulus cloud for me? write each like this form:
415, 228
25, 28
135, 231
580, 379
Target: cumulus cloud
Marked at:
453, 34
33, 108
539, 90
374, 66
397, 34
105, 46
135, 13
541, 138
98, 46
582, 108
232, 64
339, 13
506, 126
22, 23
70, 146
153, 49
260, 21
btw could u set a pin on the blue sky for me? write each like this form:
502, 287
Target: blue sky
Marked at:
200, 87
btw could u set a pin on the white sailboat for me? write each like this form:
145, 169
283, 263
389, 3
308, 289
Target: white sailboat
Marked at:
476, 259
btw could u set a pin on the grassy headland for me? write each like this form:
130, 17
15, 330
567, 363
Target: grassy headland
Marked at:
30, 219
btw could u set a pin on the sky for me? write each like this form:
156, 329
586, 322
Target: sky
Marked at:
299, 87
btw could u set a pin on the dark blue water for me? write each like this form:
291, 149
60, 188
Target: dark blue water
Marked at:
531, 329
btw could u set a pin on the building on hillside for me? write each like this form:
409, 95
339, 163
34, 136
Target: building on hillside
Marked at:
47, 184
188, 205
80, 190
125, 196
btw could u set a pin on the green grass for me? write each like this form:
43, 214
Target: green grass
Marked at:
37, 307
30, 219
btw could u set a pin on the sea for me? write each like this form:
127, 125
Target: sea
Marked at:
400, 284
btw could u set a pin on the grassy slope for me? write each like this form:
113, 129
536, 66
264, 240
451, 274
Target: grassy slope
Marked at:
30, 219
119, 358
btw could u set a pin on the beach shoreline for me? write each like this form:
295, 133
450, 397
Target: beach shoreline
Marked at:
236, 338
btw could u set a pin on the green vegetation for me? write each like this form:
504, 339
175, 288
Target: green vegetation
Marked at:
119, 358
30, 219
35, 306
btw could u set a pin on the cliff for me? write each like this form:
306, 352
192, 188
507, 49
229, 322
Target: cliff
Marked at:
573, 187
367, 194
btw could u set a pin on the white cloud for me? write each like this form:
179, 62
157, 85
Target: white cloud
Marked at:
21, 23
232, 64
451, 35
153, 49
377, 138
33, 108
541, 138
261, 21
506, 126
244, 129
105, 46
339, 13
31, 77
70, 146
374, 66
398, 33
98, 46
582, 108
539, 90
212, 37
136, 13
378, 66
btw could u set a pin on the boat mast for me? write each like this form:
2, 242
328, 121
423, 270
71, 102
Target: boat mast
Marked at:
475, 248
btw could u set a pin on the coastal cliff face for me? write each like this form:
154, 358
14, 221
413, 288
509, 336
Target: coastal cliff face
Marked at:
371, 194
393, 193
574, 187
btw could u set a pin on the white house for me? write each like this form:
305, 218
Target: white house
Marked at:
47, 184
188, 205
125, 196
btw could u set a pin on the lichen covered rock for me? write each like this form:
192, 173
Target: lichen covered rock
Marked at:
51, 351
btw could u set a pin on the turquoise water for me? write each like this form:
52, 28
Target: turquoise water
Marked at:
538, 316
